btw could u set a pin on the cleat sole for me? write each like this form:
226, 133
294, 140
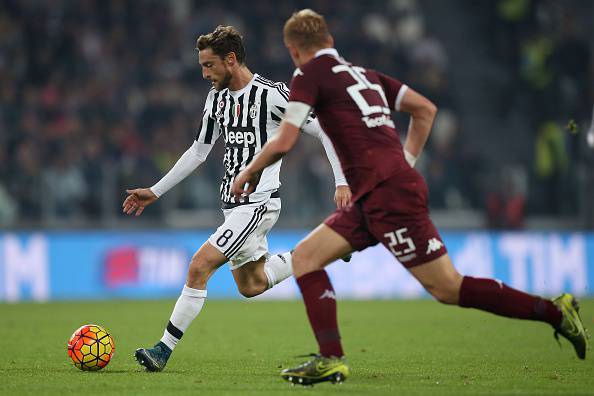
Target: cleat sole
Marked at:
335, 378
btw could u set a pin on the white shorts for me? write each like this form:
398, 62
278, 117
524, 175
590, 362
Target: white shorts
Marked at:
242, 237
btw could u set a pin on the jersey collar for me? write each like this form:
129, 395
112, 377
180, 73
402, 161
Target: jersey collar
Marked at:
242, 90
327, 51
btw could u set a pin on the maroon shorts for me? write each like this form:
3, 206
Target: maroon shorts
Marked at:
396, 214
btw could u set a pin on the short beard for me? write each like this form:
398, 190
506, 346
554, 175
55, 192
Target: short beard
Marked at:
226, 81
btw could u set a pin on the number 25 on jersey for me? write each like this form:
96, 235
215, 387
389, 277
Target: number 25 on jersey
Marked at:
380, 107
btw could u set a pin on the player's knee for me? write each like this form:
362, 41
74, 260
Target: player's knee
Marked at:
301, 258
200, 268
252, 289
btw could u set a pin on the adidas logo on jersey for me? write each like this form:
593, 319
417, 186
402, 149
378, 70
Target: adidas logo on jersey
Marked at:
433, 245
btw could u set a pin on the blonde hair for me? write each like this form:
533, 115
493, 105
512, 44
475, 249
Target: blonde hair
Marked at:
306, 29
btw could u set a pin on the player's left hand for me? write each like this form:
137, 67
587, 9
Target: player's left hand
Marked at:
342, 196
245, 183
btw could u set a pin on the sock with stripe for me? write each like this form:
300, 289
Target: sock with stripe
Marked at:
188, 306
278, 268
496, 297
320, 304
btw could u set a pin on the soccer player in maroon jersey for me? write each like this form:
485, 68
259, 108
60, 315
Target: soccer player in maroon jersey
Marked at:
389, 203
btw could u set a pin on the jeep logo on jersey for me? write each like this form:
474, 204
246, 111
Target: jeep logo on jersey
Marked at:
241, 137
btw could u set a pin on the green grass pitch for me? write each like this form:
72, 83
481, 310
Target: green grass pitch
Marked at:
238, 348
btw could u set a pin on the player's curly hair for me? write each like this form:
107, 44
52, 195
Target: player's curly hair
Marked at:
223, 40
306, 29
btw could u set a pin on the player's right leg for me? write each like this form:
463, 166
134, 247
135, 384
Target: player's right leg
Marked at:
189, 304
321, 247
440, 278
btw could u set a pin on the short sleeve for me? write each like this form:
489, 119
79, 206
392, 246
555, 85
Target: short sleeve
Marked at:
208, 132
304, 88
394, 90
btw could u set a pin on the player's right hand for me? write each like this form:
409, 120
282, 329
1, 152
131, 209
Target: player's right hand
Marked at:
137, 200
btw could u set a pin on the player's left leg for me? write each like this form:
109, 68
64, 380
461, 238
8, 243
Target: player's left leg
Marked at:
404, 227
440, 278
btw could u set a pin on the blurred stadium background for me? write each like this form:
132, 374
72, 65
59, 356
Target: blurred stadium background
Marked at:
100, 96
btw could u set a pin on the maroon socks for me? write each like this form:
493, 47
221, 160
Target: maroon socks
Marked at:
320, 303
495, 297
480, 293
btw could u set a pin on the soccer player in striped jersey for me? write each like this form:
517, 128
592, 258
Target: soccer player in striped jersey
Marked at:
245, 109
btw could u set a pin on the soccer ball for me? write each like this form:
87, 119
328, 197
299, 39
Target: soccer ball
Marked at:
90, 347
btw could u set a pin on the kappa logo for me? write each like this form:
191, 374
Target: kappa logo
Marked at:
433, 245
328, 294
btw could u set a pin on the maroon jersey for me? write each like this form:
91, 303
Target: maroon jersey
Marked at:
354, 106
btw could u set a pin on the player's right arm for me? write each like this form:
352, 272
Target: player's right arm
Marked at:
422, 112
279, 100
140, 198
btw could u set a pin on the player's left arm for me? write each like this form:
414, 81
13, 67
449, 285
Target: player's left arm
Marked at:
278, 104
302, 98
342, 194
422, 114
275, 149
400, 97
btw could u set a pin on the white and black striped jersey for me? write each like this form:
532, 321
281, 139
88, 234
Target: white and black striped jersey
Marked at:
246, 119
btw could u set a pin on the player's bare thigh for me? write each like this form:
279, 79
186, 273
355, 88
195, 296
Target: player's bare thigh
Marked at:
203, 264
318, 249
208, 259
440, 278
